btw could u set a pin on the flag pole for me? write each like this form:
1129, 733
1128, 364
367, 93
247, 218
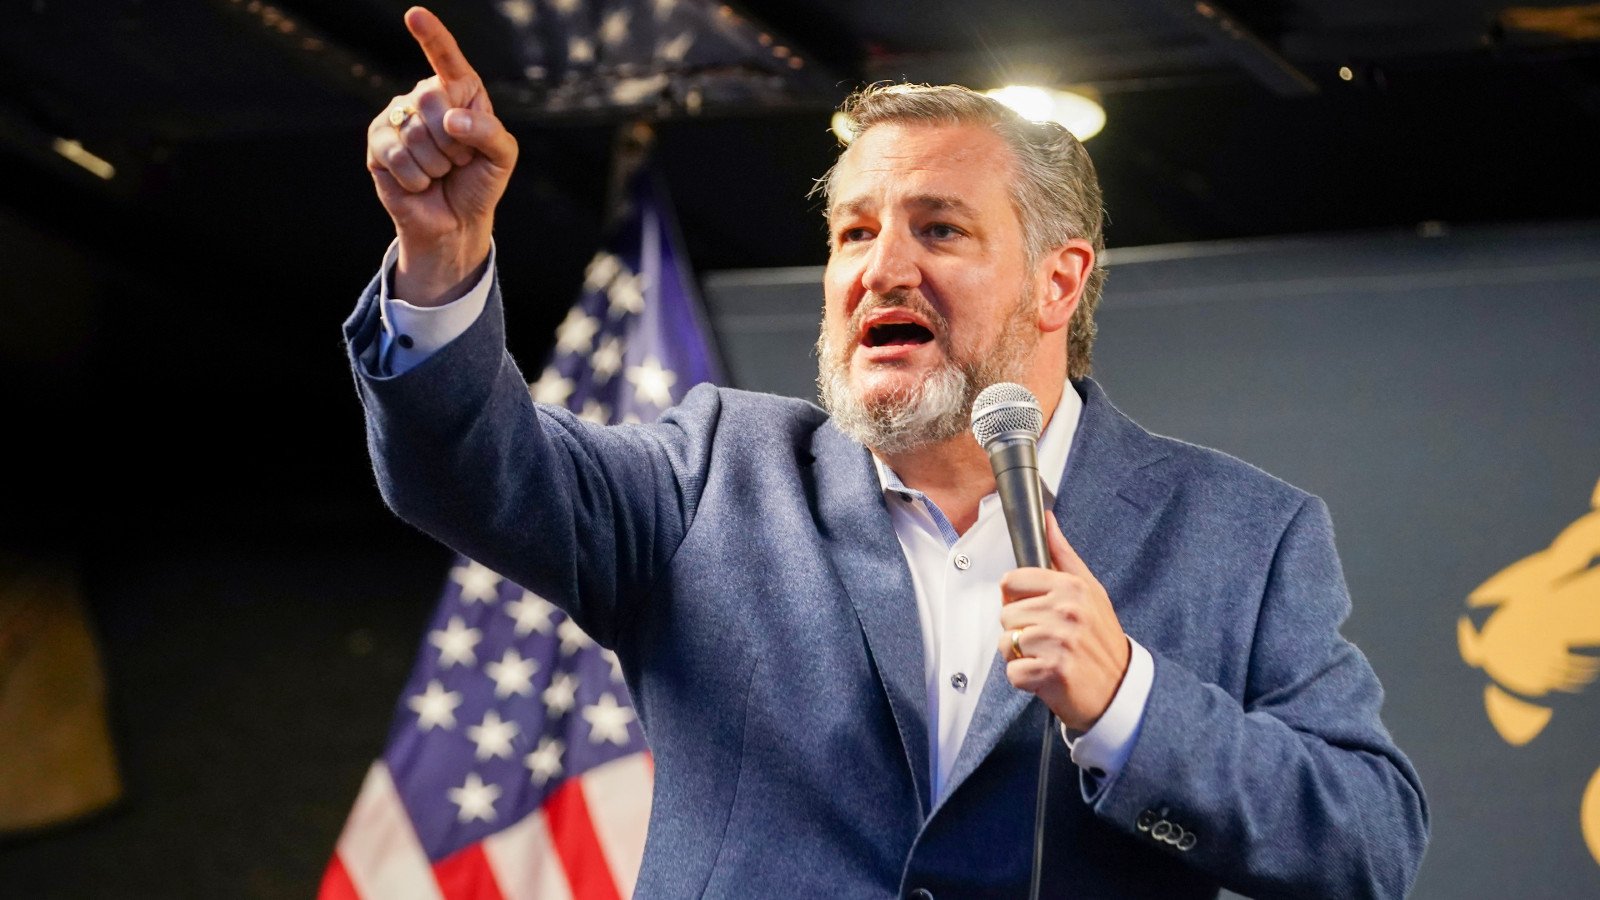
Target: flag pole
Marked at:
630, 150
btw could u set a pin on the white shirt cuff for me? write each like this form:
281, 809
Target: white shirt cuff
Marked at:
411, 334
1103, 750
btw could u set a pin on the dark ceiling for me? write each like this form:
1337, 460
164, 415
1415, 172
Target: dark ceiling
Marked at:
190, 302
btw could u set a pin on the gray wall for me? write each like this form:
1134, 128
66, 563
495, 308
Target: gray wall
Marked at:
1441, 390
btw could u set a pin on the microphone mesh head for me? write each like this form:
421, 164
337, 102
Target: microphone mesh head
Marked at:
1005, 407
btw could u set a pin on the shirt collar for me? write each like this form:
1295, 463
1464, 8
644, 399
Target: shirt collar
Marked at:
1054, 445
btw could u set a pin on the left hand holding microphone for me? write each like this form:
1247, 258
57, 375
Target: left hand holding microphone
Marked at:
1074, 651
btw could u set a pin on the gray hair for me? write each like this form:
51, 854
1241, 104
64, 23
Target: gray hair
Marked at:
1054, 188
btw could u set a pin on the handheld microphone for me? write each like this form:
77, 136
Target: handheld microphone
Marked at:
1006, 420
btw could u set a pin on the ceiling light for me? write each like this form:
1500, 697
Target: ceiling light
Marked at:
1077, 113
74, 151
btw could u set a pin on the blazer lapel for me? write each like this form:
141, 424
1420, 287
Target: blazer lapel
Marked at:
870, 565
1110, 494
1107, 503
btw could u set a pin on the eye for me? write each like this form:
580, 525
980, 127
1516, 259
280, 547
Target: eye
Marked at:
851, 235
940, 231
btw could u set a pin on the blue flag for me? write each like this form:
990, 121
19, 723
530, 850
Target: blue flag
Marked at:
515, 765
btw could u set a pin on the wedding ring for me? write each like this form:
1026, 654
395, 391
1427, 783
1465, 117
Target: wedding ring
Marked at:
1016, 645
399, 114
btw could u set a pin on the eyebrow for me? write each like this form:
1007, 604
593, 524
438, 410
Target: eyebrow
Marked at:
924, 202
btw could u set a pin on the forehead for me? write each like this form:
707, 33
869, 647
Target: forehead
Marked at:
893, 163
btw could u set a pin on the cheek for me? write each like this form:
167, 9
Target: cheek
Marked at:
841, 281
970, 332
835, 310
833, 323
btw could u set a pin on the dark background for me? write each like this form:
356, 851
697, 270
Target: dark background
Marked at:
182, 428
166, 322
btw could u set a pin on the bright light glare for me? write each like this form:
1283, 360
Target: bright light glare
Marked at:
75, 151
843, 128
1032, 103
1075, 112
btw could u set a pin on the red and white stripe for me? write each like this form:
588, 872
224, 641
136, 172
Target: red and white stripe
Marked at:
585, 843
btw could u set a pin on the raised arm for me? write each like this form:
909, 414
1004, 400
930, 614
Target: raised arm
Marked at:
440, 161
583, 515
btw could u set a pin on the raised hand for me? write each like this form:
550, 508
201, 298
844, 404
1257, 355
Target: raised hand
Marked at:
441, 170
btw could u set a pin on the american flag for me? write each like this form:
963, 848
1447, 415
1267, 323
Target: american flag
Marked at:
515, 766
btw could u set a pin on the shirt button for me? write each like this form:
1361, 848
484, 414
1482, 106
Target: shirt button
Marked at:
962, 562
405, 341
959, 681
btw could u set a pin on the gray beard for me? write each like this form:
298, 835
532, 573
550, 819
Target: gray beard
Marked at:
935, 409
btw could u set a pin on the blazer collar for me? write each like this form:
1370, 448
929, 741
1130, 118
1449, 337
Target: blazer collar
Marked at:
1108, 501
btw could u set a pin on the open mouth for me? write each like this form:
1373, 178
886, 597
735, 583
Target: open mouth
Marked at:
893, 334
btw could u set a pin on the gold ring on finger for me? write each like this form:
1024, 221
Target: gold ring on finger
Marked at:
398, 114
1016, 644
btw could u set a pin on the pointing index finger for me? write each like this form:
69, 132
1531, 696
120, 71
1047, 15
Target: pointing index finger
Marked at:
440, 47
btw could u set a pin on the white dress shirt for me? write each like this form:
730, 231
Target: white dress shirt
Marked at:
956, 577
957, 583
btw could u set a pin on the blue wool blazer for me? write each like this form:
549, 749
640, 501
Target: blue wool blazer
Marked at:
738, 555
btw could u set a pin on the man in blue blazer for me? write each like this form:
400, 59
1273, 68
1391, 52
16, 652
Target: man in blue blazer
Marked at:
841, 673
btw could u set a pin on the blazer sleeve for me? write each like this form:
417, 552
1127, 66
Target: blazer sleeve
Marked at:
1298, 790
583, 515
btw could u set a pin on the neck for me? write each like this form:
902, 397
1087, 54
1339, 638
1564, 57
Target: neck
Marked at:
955, 473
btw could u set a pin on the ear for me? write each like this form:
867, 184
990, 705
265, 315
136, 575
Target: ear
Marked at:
1065, 271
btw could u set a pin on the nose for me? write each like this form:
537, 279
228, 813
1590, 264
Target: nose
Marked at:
892, 263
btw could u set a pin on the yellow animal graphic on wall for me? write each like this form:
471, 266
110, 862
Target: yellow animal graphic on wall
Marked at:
1547, 615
